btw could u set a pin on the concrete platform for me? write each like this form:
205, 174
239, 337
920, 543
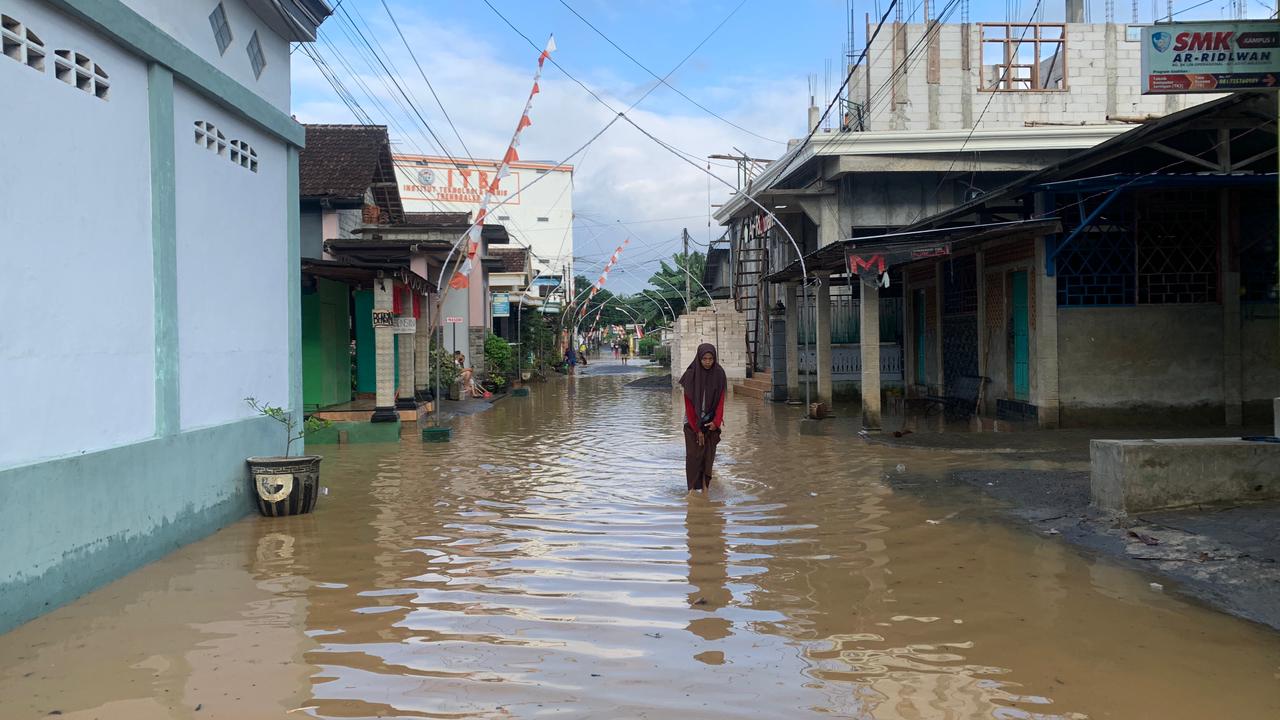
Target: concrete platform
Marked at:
1128, 476
359, 431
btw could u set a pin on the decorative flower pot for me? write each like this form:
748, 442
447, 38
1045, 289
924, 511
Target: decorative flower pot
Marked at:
285, 485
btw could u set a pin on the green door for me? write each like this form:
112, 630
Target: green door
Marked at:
366, 352
1019, 332
921, 354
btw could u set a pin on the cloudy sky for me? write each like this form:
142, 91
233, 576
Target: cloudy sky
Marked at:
754, 72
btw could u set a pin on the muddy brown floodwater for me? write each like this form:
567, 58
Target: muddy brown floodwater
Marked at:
548, 563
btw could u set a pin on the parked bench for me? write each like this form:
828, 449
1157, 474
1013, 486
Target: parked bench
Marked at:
960, 401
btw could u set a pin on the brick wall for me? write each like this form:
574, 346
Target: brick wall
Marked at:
699, 327
1102, 77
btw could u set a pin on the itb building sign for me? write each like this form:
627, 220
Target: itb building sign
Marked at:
1210, 57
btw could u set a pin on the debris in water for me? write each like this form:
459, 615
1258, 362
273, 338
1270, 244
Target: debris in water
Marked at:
813, 494
1052, 531
902, 467
1157, 587
700, 601
934, 522
1145, 539
324, 491
653, 635
198, 706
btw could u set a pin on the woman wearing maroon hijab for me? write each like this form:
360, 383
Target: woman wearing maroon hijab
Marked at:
704, 386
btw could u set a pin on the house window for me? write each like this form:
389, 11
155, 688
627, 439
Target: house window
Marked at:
255, 55
210, 137
221, 30
243, 154
20, 44
1159, 248
1024, 57
77, 69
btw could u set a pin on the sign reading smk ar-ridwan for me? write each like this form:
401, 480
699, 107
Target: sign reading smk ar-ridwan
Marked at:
1210, 57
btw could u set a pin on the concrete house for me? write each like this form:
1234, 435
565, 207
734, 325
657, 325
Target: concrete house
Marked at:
143, 307
927, 129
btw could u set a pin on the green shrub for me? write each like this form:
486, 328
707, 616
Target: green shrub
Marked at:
497, 356
647, 344
441, 358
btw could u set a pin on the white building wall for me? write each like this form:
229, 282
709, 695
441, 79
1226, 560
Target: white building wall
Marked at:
541, 216
192, 29
76, 319
232, 269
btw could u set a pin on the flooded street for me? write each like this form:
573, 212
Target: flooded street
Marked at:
547, 562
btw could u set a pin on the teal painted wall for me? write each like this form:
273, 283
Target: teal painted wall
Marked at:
366, 351
326, 354
73, 524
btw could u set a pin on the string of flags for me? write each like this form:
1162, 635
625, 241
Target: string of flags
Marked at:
604, 276
462, 277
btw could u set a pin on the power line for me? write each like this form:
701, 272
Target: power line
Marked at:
578, 82
424, 78
663, 80
1007, 69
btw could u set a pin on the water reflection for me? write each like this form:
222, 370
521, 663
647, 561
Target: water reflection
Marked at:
708, 570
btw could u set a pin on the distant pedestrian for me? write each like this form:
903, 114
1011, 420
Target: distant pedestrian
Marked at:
624, 348
570, 359
705, 386
582, 354
615, 350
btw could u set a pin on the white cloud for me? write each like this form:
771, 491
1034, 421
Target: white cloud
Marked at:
624, 174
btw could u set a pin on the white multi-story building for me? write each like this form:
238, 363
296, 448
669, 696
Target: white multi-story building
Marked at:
536, 209
143, 303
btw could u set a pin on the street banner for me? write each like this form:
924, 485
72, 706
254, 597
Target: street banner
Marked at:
501, 305
1210, 57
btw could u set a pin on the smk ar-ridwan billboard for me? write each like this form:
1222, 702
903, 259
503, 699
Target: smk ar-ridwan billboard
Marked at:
1210, 57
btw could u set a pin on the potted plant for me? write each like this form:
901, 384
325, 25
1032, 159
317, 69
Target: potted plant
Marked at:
286, 485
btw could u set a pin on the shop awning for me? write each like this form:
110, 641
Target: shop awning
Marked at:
360, 273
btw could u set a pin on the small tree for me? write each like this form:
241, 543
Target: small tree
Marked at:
280, 415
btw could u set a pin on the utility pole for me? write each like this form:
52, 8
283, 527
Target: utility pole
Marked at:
688, 288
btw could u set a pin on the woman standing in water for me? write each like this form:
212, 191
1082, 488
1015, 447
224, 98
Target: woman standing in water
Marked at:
705, 385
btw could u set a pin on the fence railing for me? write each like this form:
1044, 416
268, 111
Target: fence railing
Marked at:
846, 322
846, 362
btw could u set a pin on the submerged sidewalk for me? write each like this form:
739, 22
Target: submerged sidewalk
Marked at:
1227, 556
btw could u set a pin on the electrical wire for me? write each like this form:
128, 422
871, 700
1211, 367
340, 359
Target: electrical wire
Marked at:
663, 80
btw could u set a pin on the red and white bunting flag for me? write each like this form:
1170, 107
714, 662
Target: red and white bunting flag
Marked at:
462, 278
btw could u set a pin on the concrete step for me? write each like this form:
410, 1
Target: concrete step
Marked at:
749, 391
